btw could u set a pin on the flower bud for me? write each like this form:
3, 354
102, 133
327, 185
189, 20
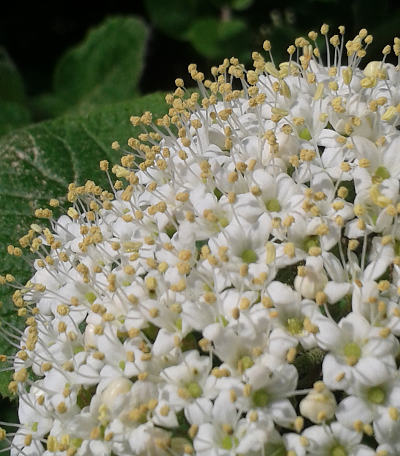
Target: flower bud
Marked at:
90, 337
313, 281
319, 405
119, 385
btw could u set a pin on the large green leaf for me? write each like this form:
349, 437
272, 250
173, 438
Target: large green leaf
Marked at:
104, 68
38, 163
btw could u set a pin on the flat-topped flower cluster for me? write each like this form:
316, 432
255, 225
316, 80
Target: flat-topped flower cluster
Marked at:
237, 292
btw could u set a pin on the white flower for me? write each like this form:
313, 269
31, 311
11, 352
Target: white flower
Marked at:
335, 439
356, 350
249, 249
370, 401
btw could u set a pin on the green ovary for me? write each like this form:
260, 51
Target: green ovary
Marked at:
381, 173
273, 205
310, 241
91, 297
249, 256
195, 390
223, 221
244, 363
260, 398
228, 442
178, 324
338, 450
376, 395
294, 326
76, 442
305, 134
352, 352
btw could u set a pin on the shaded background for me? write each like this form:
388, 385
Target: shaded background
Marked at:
182, 31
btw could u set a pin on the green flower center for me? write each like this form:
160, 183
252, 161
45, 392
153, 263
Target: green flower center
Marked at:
294, 326
381, 174
228, 442
273, 205
91, 297
249, 256
195, 390
76, 442
338, 450
244, 363
310, 241
376, 395
178, 324
260, 397
305, 134
352, 352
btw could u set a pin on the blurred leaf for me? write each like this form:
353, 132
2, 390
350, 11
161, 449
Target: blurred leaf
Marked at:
383, 34
218, 39
47, 105
105, 68
281, 37
174, 16
241, 4
11, 84
13, 113
38, 162
8, 414
234, 4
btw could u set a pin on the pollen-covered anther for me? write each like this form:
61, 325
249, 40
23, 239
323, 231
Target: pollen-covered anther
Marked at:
291, 354
289, 249
314, 251
364, 163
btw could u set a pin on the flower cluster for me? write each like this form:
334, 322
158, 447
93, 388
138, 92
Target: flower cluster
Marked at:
237, 292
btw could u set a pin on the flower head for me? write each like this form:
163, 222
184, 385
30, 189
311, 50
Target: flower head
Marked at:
248, 249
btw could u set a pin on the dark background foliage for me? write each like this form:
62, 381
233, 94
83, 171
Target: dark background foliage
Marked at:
182, 31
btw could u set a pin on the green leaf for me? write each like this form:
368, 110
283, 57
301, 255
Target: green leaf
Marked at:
104, 68
241, 5
217, 39
38, 163
11, 84
13, 113
174, 16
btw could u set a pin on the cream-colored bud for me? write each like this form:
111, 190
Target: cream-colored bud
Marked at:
318, 406
314, 279
116, 387
90, 336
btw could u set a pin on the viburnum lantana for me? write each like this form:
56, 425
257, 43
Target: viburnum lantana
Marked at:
237, 290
